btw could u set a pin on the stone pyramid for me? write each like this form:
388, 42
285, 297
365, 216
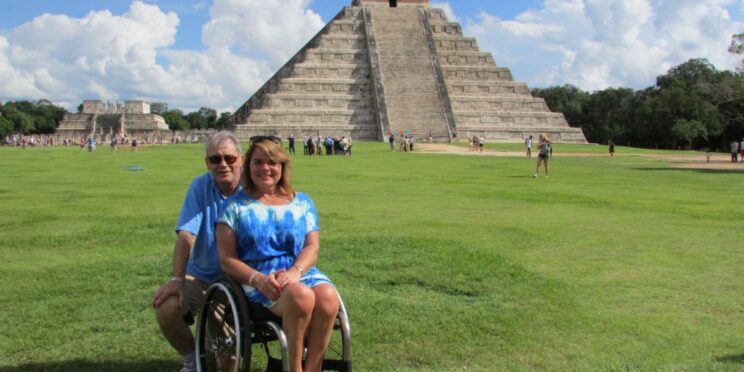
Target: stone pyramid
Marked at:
387, 66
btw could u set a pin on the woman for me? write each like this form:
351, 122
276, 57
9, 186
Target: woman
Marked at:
544, 154
268, 240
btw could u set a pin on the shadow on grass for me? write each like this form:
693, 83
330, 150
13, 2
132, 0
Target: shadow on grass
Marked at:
733, 359
88, 365
699, 170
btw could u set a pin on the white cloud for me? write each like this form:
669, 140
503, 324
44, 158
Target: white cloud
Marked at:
120, 57
275, 28
596, 44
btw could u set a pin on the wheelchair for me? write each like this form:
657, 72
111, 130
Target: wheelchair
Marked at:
229, 326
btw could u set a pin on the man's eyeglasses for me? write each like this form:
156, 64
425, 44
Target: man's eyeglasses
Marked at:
257, 139
217, 159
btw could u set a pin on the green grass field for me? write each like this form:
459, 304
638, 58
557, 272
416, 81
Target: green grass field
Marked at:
445, 262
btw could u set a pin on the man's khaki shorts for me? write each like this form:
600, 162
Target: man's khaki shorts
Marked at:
194, 290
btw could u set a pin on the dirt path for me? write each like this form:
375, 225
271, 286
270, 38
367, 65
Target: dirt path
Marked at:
693, 161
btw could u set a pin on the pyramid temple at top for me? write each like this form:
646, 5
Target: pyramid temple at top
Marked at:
387, 66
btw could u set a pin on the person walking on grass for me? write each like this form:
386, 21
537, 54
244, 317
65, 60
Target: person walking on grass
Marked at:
544, 154
612, 149
741, 150
196, 263
528, 144
734, 151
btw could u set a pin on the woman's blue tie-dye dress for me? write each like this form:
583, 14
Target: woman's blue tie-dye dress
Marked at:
271, 237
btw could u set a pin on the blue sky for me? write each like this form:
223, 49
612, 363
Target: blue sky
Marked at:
193, 53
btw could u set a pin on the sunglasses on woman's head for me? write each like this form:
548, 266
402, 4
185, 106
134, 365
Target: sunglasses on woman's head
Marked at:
257, 139
217, 159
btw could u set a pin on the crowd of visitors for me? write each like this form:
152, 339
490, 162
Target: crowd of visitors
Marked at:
405, 142
318, 146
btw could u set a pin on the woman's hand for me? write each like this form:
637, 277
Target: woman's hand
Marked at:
285, 278
269, 285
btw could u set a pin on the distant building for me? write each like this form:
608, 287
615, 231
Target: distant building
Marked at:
102, 121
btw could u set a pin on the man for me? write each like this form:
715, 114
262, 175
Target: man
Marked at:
195, 260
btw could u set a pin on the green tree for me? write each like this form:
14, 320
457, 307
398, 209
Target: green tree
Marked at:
566, 99
210, 117
196, 120
224, 121
6, 126
607, 113
175, 120
689, 130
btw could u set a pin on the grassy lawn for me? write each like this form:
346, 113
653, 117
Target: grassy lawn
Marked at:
445, 262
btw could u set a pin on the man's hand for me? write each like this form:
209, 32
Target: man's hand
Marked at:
173, 287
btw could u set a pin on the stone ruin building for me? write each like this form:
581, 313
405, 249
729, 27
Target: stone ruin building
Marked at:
103, 121
387, 66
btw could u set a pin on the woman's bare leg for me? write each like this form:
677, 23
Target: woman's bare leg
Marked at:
321, 325
295, 306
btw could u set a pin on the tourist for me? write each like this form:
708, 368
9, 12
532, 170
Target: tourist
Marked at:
351, 144
528, 144
291, 147
612, 149
411, 142
734, 151
481, 143
91, 144
268, 240
391, 140
195, 261
134, 144
431, 138
114, 143
543, 154
741, 150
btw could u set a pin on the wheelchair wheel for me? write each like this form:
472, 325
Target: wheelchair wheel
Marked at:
223, 337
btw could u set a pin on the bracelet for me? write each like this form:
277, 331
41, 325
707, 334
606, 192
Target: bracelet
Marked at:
176, 278
299, 268
250, 279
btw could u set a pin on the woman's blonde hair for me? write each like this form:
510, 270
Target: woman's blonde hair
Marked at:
276, 153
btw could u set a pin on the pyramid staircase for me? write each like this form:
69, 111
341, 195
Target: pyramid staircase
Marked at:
376, 69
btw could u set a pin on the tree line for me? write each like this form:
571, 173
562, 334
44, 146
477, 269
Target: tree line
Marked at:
692, 106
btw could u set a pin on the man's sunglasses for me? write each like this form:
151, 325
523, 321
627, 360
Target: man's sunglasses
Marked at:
257, 139
217, 159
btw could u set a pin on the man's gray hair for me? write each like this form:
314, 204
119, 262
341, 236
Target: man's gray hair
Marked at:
222, 136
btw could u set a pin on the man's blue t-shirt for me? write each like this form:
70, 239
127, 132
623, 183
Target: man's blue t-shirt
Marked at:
202, 206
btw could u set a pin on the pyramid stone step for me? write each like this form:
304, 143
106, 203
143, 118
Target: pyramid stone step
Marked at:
483, 73
449, 28
344, 56
349, 86
507, 118
307, 115
284, 130
330, 71
499, 103
324, 101
491, 87
466, 58
346, 27
448, 43
343, 41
